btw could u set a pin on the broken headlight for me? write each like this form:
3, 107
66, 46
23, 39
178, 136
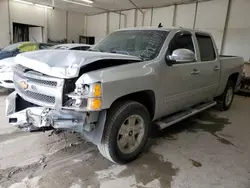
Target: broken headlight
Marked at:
85, 97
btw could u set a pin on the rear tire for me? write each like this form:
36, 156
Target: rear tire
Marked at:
126, 132
226, 99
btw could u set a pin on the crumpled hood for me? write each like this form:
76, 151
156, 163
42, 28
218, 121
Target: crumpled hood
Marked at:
64, 63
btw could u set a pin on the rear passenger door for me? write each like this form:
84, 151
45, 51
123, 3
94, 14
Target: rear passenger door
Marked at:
208, 65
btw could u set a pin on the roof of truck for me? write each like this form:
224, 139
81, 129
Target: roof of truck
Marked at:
163, 29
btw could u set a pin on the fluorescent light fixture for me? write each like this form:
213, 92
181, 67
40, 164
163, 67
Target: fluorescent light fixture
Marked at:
87, 1
44, 6
74, 2
25, 2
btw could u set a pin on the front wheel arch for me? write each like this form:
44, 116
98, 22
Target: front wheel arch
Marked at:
146, 98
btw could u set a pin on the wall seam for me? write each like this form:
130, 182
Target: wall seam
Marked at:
67, 12
143, 17
174, 16
107, 22
195, 15
119, 21
225, 29
135, 18
9, 21
151, 20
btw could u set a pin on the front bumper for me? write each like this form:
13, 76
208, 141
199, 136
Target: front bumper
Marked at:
89, 124
40, 117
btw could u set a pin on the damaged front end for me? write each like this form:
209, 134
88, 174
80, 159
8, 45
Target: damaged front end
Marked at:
27, 116
42, 102
30, 116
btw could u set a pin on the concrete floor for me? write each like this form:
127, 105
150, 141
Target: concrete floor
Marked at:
209, 150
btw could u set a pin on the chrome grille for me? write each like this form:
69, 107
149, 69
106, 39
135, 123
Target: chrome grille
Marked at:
41, 89
35, 76
44, 82
37, 96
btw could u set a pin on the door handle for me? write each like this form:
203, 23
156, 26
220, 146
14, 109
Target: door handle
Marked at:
195, 71
216, 68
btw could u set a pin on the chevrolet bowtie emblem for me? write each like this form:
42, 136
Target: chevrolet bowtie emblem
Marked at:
23, 85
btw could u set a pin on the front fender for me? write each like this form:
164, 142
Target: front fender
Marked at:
122, 80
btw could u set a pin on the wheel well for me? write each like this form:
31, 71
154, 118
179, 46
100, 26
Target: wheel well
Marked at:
234, 77
146, 98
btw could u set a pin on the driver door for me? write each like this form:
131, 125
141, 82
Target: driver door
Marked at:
181, 79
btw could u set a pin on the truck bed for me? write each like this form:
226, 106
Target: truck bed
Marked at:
229, 65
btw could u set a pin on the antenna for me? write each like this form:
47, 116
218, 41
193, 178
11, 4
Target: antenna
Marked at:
35, 40
160, 26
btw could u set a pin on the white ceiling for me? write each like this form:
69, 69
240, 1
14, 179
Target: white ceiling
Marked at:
112, 5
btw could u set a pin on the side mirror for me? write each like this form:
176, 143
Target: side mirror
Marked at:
180, 56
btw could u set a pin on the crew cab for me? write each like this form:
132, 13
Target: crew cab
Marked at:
112, 93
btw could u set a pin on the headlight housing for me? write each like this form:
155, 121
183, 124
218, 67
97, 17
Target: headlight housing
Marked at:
85, 98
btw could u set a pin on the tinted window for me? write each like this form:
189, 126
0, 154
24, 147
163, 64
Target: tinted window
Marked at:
59, 47
45, 46
76, 48
206, 48
84, 48
181, 40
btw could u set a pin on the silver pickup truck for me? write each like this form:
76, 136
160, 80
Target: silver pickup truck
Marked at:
112, 93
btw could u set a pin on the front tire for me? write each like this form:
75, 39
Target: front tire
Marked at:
126, 132
226, 99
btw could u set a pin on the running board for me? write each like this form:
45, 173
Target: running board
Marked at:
177, 117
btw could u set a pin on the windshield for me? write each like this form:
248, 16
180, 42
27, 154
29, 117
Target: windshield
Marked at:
11, 47
145, 44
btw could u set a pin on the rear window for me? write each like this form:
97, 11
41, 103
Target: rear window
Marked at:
206, 47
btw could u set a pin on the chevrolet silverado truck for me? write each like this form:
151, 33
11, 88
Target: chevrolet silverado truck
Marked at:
128, 82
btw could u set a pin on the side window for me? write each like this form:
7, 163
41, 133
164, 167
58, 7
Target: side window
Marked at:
206, 47
84, 48
42, 46
181, 40
76, 48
